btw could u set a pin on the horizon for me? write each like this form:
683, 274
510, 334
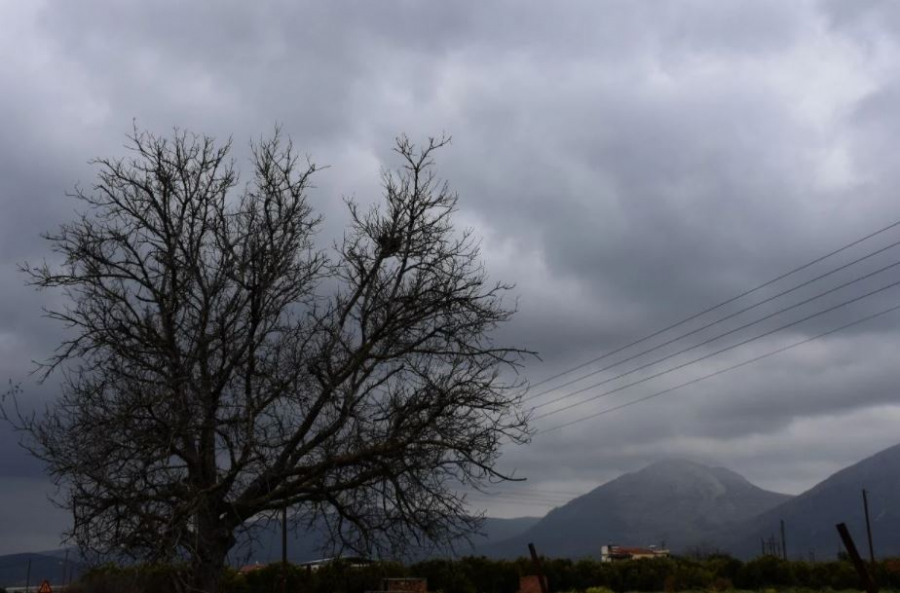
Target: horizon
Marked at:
511, 496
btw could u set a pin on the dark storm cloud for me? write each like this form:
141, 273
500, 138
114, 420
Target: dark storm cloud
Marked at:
626, 163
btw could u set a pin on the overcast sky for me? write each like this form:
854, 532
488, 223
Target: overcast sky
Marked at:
626, 164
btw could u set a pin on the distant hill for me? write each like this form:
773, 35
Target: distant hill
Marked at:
304, 546
810, 518
675, 503
264, 548
14, 568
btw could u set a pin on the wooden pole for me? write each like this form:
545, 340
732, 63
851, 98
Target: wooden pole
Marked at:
858, 564
539, 569
28, 576
284, 549
783, 542
868, 528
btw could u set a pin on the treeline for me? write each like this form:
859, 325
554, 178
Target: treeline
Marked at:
481, 575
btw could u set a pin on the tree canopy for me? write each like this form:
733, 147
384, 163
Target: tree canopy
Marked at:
220, 366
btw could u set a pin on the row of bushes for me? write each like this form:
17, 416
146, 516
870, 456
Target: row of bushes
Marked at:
481, 575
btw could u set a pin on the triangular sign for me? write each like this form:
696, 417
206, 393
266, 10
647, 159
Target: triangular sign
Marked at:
45, 587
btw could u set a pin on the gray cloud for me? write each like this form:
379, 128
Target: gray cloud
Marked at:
627, 164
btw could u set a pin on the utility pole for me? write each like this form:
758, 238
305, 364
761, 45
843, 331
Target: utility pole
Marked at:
864, 577
65, 568
284, 549
545, 588
28, 576
868, 528
783, 542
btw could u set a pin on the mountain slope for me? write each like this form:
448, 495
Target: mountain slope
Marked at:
303, 546
677, 503
810, 518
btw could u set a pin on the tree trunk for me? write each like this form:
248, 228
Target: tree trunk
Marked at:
208, 562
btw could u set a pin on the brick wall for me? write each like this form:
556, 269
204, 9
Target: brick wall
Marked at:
405, 585
529, 584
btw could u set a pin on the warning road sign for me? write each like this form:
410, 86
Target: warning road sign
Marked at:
45, 587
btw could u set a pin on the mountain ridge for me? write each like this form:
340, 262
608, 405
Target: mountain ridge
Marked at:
811, 516
672, 502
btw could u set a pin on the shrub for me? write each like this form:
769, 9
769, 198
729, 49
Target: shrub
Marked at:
144, 578
482, 575
766, 571
688, 576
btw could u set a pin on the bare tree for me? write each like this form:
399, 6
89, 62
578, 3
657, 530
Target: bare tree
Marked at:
220, 367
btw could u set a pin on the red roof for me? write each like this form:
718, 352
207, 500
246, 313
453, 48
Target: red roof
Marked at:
250, 568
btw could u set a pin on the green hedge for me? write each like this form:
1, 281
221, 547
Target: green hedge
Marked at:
481, 575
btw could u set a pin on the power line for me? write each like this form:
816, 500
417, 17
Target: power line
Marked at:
712, 354
534, 491
537, 494
721, 304
724, 334
726, 318
719, 372
480, 502
518, 493
524, 503
526, 498
531, 496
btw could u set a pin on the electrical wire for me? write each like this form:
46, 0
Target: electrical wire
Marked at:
726, 318
523, 503
530, 496
716, 353
527, 499
521, 494
721, 304
724, 334
719, 372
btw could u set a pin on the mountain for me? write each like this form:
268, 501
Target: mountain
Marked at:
810, 518
675, 503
